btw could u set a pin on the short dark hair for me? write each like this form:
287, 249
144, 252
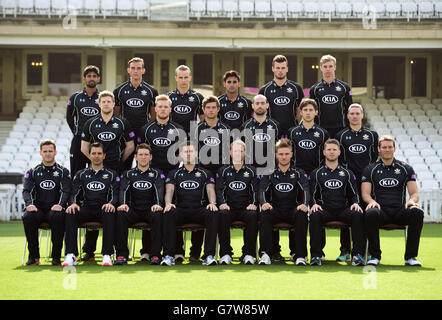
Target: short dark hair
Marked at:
96, 145
90, 69
47, 142
230, 74
307, 102
143, 146
210, 99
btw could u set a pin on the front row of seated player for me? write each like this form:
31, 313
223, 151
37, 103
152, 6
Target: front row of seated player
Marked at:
98, 194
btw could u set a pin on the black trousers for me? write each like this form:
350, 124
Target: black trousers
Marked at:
77, 159
354, 218
250, 217
412, 217
179, 216
123, 222
31, 220
90, 214
292, 216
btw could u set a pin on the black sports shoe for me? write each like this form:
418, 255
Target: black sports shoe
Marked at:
33, 262
88, 257
277, 257
155, 260
121, 261
56, 262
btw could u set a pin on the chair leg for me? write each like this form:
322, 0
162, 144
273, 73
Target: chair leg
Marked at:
133, 243
366, 252
48, 243
184, 242
24, 252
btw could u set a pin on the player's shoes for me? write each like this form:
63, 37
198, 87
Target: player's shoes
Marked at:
168, 261
70, 260
248, 259
155, 260
373, 262
316, 261
179, 258
107, 261
121, 261
145, 257
344, 258
301, 262
413, 262
209, 261
265, 259
225, 259
33, 262
358, 260
88, 257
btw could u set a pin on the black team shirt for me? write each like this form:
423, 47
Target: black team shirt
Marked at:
333, 189
190, 186
389, 183
45, 186
135, 103
141, 190
234, 113
307, 146
80, 109
237, 189
185, 107
283, 102
96, 188
333, 101
283, 189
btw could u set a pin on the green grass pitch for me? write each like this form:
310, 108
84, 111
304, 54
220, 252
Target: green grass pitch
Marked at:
282, 281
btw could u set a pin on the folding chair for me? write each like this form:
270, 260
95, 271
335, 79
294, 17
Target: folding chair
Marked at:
133, 232
390, 226
42, 227
86, 226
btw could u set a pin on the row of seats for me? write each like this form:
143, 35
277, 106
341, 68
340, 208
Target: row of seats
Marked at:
138, 8
314, 9
392, 101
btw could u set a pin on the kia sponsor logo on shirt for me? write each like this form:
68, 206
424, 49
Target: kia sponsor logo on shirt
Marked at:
162, 142
182, 109
388, 182
135, 103
142, 185
330, 99
261, 137
95, 186
307, 144
107, 136
284, 187
47, 185
189, 185
89, 111
333, 184
211, 141
281, 101
357, 148
231, 115
237, 185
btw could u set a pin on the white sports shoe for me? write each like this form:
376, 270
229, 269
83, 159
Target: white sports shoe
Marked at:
301, 262
168, 261
145, 257
209, 261
225, 259
107, 261
70, 260
373, 262
248, 259
265, 259
413, 262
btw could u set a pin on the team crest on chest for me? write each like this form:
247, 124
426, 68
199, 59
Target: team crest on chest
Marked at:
338, 89
115, 126
144, 93
197, 174
316, 134
341, 173
191, 99
289, 90
397, 171
365, 137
